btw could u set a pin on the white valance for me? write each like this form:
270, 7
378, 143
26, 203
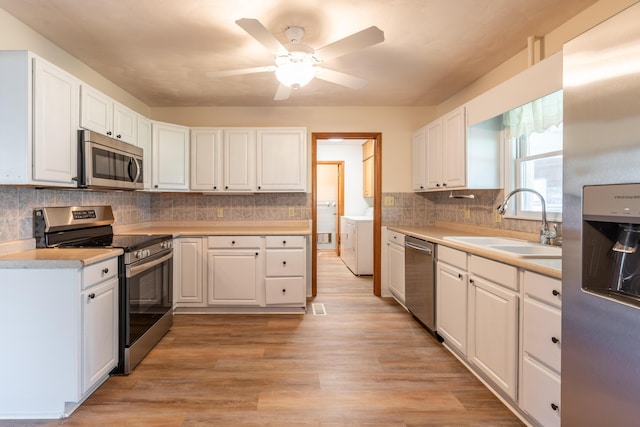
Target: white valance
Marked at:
536, 116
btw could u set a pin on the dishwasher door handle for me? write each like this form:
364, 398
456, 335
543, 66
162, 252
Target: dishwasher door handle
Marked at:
418, 248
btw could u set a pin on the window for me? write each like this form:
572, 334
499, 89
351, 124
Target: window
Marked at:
533, 134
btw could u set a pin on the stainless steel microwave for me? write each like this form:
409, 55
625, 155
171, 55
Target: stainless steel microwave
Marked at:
107, 163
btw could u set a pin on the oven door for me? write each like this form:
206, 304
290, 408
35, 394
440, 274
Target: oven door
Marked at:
148, 289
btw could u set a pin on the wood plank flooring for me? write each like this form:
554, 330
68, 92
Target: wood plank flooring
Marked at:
365, 363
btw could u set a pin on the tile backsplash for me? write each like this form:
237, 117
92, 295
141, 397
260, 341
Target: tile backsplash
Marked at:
418, 209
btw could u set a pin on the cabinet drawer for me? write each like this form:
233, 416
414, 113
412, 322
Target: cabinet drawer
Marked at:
285, 241
395, 237
285, 290
99, 272
544, 288
541, 393
542, 332
285, 262
234, 242
499, 273
452, 257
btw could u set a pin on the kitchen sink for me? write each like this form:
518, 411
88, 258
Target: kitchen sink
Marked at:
515, 247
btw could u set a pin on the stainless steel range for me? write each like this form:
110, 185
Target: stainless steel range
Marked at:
145, 272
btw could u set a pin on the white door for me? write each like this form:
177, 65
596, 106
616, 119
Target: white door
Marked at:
205, 160
454, 149
189, 271
281, 159
395, 258
451, 309
239, 153
170, 156
232, 277
419, 158
433, 154
125, 125
55, 127
99, 332
96, 111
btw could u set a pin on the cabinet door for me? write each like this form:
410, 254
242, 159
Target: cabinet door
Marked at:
170, 157
125, 124
144, 141
188, 273
493, 324
454, 149
451, 306
233, 277
395, 259
55, 127
281, 159
367, 177
433, 156
205, 160
419, 158
239, 154
96, 111
99, 332
541, 394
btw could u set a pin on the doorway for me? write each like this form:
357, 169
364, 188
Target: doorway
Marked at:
330, 205
376, 201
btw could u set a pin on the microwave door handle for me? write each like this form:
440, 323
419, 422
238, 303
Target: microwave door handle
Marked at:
137, 170
134, 163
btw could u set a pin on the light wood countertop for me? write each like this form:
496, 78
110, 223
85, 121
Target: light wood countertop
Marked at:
547, 266
57, 257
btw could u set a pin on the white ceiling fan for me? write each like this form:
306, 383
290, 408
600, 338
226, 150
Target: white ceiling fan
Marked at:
297, 64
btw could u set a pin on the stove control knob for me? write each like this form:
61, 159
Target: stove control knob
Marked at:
147, 252
138, 255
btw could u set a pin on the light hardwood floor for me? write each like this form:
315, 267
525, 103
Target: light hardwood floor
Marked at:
365, 363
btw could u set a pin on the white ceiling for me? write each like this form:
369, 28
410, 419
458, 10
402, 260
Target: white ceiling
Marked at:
161, 50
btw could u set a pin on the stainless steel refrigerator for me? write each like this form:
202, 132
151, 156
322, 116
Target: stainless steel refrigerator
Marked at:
601, 225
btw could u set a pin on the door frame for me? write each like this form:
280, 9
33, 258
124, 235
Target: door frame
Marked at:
340, 208
377, 203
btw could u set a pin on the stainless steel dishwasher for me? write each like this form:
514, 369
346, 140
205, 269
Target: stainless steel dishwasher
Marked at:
419, 276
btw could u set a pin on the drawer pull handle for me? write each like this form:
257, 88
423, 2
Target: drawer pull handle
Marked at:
105, 271
459, 276
284, 262
91, 296
554, 406
284, 243
284, 291
555, 340
555, 292
233, 242
256, 253
472, 281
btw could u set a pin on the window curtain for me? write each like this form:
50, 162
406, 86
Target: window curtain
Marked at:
536, 116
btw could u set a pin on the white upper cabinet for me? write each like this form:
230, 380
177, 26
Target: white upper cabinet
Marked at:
144, 142
38, 122
239, 154
456, 157
206, 159
170, 154
102, 114
281, 159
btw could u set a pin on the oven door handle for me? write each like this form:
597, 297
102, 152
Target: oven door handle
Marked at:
133, 270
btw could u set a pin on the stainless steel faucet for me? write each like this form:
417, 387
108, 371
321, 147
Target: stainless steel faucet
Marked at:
546, 235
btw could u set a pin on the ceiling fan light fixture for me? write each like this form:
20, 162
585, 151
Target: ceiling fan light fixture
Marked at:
295, 71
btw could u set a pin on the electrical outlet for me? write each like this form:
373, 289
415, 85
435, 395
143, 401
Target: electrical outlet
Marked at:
467, 213
498, 218
389, 201
292, 212
219, 213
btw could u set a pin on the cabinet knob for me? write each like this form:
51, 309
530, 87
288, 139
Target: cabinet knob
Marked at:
105, 270
284, 291
444, 184
284, 243
555, 340
233, 242
257, 254
155, 186
471, 281
109, 133
91, 296
554, 406
259, 187
215, 187
119, 136
284, 262
460, 276
437, 185
555, 292
226, 187
422, 187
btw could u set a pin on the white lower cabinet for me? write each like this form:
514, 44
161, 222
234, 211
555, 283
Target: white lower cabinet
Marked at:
395, 265
541, 348
285, 270
234, 271
452, 298
65, 320
189, 271
493, 322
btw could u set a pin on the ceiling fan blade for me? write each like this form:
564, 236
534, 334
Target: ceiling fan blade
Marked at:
360, 40
341, 79
282, 93
241, 71
261, 34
